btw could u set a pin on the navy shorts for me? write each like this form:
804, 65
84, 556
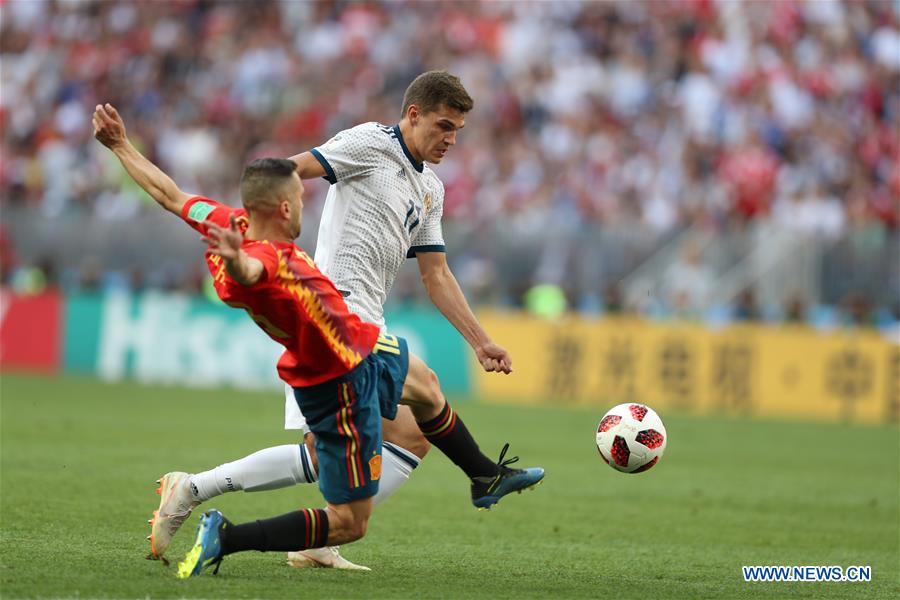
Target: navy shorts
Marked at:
345, 414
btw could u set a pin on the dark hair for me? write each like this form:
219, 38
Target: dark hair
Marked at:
262, 180
432, 89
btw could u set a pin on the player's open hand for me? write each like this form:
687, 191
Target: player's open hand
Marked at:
109, 128
493, 358
224, 242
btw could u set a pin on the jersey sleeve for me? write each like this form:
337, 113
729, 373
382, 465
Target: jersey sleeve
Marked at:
267, 255
430, 236
352, 153
198, 210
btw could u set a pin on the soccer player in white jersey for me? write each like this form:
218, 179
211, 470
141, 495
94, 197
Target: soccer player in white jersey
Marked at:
384, 205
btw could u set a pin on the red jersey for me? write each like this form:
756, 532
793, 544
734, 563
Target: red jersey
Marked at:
293, 302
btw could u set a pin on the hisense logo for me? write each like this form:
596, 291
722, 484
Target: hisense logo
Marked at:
177, 339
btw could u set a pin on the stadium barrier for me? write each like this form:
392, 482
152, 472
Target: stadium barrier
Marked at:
777, 372
761, 371
30, 331
172, 338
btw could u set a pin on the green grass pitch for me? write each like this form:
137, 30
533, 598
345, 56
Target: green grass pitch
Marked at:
79, 459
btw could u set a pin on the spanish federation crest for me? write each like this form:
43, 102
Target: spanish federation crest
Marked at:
427, 202
375, 467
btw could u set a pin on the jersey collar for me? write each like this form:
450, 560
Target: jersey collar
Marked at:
416, 165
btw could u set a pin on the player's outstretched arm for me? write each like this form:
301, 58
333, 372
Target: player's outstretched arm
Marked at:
307, 166
226, 243
447, 296
109, 129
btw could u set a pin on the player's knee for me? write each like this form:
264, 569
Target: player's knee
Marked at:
405, 433
429, 390
434, 388
411, 441
421, 388
418, 445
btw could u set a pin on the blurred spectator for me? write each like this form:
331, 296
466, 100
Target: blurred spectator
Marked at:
590, 117
613, 302
751, 169
795, 310
746, 307
856, 309
813, 212
688, 282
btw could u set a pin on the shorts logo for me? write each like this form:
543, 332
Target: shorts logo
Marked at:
375, 467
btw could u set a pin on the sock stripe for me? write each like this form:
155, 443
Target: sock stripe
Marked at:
308, 527
445, 424
441, 419
445, 430
312, 527
316, 527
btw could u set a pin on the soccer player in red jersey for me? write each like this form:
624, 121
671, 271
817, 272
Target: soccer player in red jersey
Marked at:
345, 374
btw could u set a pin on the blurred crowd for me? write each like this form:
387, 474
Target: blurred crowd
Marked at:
613, 121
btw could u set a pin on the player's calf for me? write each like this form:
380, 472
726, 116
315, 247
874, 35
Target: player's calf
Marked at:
348, 522
443, 428
439, 424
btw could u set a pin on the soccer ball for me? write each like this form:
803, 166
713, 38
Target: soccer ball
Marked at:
631, 438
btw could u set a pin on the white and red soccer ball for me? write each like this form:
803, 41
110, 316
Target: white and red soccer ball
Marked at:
631, 438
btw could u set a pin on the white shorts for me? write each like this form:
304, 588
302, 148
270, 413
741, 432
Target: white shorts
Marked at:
293, 417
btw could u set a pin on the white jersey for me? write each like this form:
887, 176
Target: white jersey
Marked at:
381, 208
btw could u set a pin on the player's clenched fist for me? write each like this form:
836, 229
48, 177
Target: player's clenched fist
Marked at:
109, 129
494, 358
